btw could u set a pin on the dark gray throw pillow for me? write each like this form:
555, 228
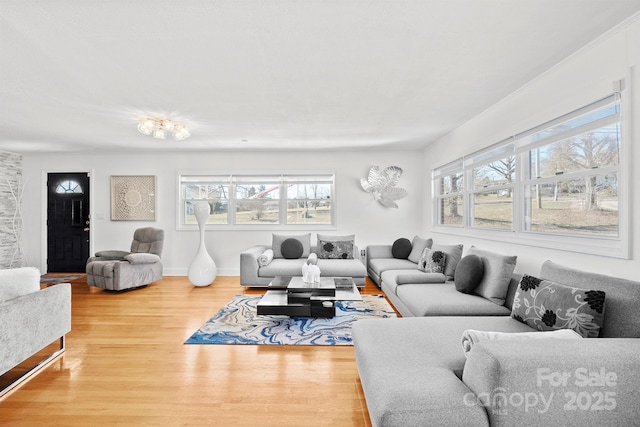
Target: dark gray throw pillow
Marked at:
291, 248
469, 273
401, 248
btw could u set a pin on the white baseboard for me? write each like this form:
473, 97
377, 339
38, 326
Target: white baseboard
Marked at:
184, 272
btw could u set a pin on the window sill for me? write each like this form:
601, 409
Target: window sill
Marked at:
602, 246
259, 227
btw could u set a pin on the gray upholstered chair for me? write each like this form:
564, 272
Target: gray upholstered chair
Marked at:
120, 270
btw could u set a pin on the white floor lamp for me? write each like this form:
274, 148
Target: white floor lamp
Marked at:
202, 270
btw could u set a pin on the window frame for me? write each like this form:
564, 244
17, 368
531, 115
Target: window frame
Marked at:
610, 246
233, 179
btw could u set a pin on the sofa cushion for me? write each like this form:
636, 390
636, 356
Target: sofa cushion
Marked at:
342, 268
454, 254
469, 273
16, 282
407, 277
498, 269
380, 265
418, 244
547, 306
391, 279
401, 248
432, 261
291, 248
277, 239
442, 299
335, 247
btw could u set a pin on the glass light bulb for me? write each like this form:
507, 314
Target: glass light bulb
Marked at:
146, 126
181, 133
167, 124
159, 133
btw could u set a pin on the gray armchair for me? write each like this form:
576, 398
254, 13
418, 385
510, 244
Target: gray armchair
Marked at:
120, 270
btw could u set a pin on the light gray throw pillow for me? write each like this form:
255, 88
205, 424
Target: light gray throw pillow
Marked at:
498, 269
418, 244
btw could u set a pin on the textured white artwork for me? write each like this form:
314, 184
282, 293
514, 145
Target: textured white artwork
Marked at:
133, 198
382, 185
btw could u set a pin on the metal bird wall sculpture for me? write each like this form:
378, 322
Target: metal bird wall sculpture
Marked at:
382, 185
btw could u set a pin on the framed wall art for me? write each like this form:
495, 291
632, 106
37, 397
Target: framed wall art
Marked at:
133, 198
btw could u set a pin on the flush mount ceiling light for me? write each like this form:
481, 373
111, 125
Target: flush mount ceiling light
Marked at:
160, 127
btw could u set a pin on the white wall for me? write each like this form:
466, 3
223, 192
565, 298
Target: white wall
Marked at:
582, 78
357, 212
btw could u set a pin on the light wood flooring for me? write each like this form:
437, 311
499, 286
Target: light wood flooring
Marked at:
126, 364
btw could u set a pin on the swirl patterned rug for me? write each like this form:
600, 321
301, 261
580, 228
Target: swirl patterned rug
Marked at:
238, 323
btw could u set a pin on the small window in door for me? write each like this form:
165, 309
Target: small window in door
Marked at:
69, 187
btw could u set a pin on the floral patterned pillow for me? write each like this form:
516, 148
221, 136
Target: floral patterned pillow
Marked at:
547, 306
432, 261
335, 249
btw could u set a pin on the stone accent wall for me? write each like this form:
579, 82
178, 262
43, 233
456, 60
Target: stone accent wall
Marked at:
10, 216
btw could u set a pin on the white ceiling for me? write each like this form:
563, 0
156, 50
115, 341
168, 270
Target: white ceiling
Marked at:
264, 74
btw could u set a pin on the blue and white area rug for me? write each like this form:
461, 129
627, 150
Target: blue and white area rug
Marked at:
238, 323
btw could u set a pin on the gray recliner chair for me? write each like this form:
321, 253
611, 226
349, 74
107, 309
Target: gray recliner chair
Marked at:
120, 270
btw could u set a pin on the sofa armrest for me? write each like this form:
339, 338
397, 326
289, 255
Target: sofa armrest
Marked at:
111, 255
379, 251
402, 385
33, 321
590, 381
249, 264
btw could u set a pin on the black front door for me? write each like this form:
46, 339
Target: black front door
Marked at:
67, 222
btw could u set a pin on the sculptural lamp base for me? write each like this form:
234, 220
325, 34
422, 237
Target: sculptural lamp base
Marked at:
202, 270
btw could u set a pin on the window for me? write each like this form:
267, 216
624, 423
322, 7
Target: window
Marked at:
69, 187
571, 185
259, 200
309, 200
491, 197
214, 190
449, 185
559, 180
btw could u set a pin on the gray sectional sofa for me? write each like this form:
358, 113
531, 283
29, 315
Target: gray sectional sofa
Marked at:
31, 319
414, 371
257, 270
403, 283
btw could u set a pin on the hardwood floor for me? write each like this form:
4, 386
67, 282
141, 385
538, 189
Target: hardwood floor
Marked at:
126, 364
